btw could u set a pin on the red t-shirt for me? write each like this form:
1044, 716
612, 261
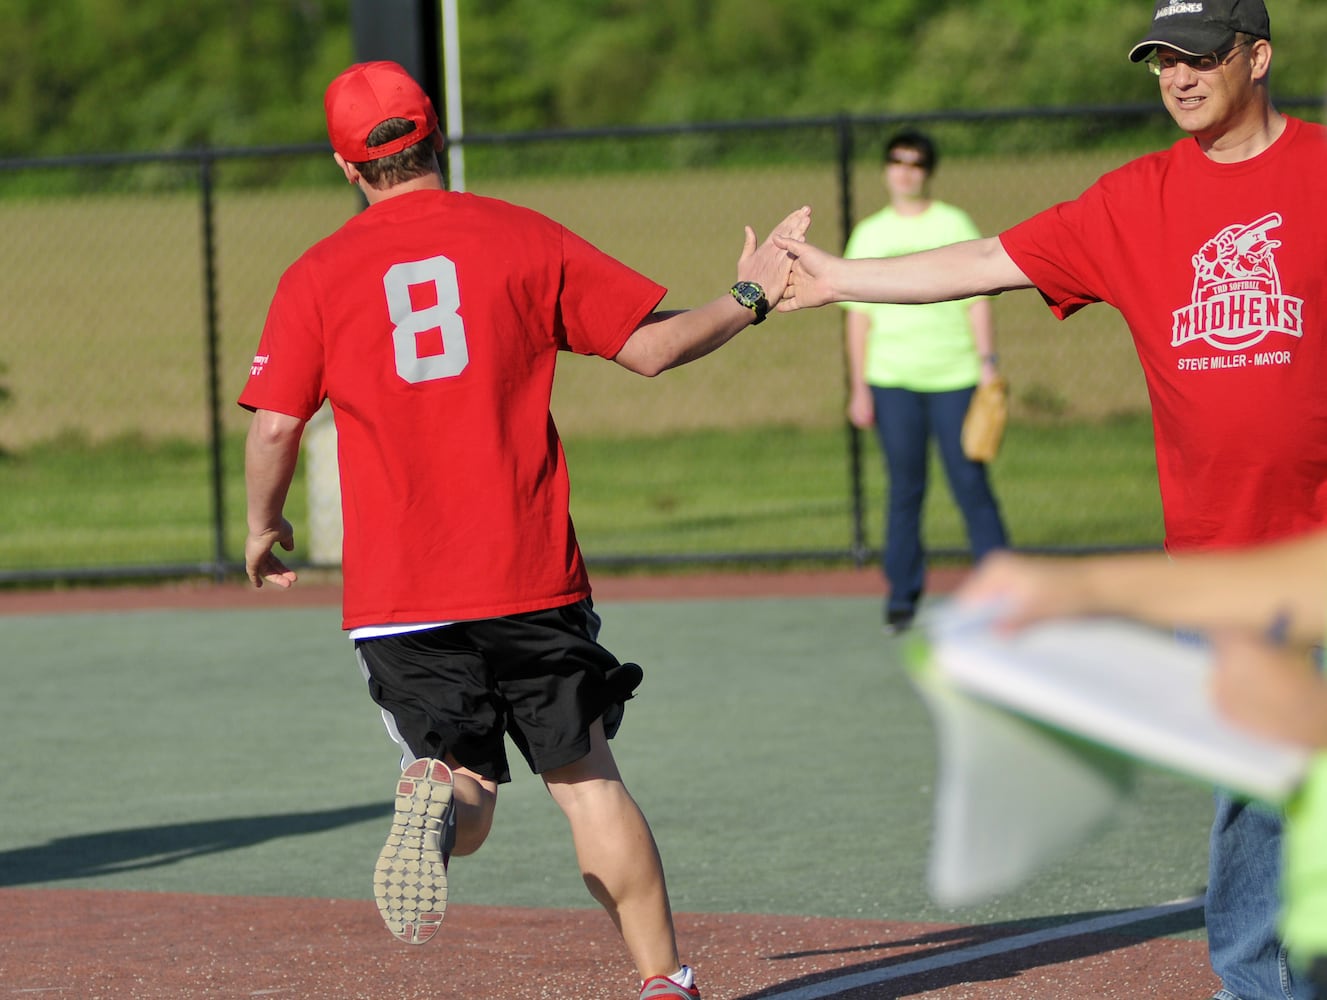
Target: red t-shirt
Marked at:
432, 322
1220, 271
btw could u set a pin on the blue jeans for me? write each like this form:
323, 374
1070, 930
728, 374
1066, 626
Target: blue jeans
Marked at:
905, 423
1243, 900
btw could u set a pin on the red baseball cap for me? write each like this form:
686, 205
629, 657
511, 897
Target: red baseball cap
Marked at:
366, 95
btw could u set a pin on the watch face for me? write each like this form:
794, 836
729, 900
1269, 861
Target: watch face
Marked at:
748, 293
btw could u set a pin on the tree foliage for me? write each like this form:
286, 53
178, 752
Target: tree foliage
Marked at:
113, 75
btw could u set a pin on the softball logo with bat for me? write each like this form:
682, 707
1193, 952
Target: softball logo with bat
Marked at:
1237, 298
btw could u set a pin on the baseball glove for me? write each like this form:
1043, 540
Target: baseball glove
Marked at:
983, 427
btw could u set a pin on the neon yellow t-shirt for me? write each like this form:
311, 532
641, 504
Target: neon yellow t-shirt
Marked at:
1304, 879
926, 348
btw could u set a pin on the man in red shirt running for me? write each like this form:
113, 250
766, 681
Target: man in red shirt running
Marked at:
432, 322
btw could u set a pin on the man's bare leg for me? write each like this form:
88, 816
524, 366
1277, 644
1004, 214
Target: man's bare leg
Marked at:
618, 857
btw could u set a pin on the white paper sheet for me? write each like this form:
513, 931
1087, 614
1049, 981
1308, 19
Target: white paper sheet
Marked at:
1040, 731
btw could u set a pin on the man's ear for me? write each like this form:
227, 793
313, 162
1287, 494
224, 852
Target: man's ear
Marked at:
352, 174
1260, 58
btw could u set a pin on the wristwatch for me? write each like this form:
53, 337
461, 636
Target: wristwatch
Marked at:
751, 295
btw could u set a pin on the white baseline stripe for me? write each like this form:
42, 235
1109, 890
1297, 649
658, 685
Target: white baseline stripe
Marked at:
1000, 946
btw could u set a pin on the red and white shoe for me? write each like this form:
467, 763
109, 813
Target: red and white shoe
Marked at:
663, 988
410, 878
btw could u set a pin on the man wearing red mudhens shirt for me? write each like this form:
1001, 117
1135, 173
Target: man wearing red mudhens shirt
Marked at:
1213, 250
432, 322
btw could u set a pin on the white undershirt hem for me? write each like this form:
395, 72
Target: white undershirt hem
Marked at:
396, 628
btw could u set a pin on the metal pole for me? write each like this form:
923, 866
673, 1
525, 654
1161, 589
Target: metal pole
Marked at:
451, 58
205, 170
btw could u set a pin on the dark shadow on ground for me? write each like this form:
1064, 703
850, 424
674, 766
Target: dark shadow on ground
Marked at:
1006, 965
88, 855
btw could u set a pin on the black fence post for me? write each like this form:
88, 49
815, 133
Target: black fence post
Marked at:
858, 547
206, 165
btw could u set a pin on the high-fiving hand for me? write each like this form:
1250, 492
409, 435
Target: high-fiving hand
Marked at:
808, 278
770, 264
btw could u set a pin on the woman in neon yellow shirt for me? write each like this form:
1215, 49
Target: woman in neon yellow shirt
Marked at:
912, 370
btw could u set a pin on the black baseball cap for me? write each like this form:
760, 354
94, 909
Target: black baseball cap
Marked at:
1196, 27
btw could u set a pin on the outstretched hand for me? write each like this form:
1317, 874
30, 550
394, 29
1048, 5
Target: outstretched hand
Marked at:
808, 284
769, 264
260, 563
1025, 589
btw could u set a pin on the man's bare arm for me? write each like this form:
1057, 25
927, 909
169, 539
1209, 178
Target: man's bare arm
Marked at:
1247, 588
271, 453
957, 271
666, 340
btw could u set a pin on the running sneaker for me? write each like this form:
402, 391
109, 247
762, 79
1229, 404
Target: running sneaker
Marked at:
410, 878
663, 988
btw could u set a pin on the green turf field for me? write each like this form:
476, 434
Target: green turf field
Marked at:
784, 761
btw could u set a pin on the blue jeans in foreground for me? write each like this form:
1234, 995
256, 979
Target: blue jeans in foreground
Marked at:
1243, 901
906, 421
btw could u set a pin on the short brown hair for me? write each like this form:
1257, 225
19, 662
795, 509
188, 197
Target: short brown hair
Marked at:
411, 162
918, 142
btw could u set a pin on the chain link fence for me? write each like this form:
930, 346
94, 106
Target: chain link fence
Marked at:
134, 289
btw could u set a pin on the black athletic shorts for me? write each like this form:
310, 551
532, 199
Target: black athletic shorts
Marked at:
540, 677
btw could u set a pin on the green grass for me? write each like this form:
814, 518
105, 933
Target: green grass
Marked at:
132, 502
72, 503
787, 489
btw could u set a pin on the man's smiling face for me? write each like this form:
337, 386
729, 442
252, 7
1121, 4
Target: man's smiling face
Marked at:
1209, 104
